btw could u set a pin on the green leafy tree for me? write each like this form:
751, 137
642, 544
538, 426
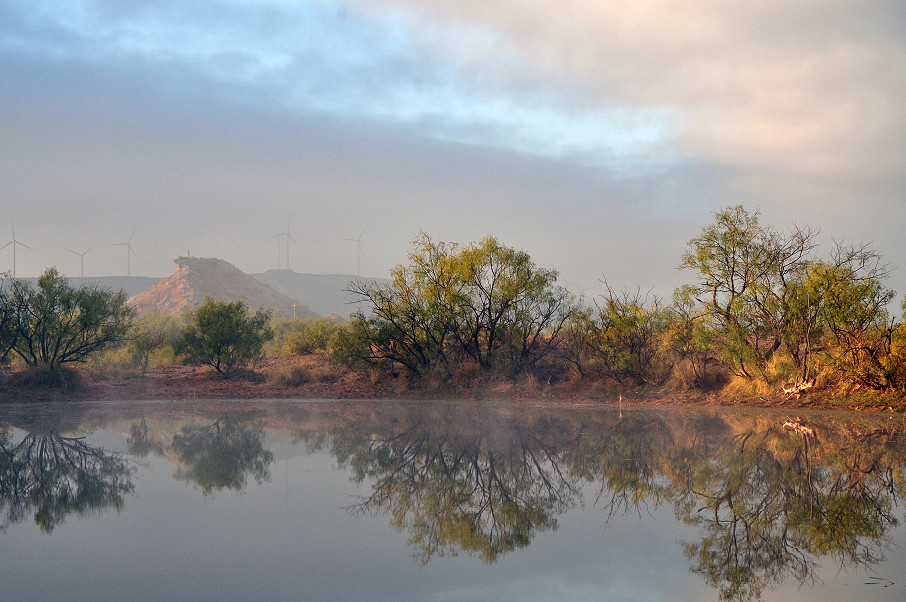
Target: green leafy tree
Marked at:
56, 324
631, 338
352, 343
224, 335
7, 322
746, 276
863, 343
688, 335
412, 318
484, 303
580, 336
512, 313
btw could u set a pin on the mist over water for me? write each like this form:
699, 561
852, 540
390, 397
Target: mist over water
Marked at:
448, 501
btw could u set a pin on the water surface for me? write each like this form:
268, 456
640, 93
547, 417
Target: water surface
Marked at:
447, 501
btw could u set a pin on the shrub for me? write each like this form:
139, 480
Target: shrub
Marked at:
41, 376
224, 336
311, 336
154, 336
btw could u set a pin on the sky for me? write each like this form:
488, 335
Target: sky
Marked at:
599, 137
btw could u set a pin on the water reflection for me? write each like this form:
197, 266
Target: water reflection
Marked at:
780, 499
50, 475
219, 455
473, 490
771, 498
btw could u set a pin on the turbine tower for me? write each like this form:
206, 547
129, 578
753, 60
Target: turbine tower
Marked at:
289, 238
15, 242
358, 251
82, 258
129, 252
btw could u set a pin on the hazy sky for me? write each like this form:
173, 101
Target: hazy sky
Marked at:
597, 136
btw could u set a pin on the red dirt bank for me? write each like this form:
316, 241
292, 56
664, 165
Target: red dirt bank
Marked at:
271, 379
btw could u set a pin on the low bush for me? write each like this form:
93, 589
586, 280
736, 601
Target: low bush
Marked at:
41, 376
298, 375
311, 336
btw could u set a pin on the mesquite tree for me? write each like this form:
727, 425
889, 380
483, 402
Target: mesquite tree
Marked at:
55, 324
224, 336
485, 304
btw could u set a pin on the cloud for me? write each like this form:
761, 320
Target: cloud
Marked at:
810, 87
597, 136
381, 65
814, 87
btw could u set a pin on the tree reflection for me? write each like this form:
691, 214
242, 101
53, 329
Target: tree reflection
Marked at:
772, 500
481, 493
625, 456
51, 476
140, 443
777, 501
221, 455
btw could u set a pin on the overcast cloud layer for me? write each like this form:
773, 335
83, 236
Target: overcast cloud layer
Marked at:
597, 136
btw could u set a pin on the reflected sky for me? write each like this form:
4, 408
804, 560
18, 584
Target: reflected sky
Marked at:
277, 513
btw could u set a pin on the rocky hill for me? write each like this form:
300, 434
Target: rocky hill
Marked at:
199, 277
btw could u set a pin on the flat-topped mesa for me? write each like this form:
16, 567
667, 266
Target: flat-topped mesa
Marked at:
200, 277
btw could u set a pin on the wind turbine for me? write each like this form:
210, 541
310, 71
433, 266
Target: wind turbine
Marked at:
129, 252
82, 257
289, 237
358, 247
15, 242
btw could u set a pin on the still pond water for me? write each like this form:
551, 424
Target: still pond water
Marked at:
440, 501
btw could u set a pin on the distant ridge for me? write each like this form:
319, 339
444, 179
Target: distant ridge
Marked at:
200, 277
131, 285
324, 293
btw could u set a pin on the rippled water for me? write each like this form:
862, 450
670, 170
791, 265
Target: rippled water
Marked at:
433, 500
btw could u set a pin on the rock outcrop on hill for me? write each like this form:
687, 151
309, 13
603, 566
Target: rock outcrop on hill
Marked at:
199, 277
